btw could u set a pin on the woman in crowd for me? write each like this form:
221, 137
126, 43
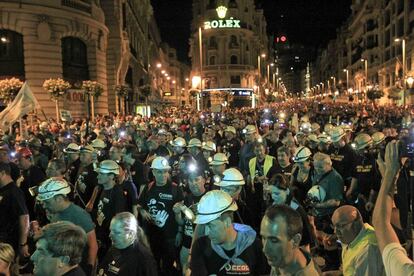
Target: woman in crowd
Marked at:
8, 267
130, 254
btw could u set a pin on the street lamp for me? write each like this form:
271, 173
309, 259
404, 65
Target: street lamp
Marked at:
159, 65
347, 79
403, 62
334, 83
365, 61
196, 82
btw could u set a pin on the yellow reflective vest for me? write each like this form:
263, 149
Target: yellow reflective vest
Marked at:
355, 258
268, 163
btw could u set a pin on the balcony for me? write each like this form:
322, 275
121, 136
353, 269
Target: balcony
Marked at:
80, 5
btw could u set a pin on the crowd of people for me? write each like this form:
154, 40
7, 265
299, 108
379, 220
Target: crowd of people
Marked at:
294, 188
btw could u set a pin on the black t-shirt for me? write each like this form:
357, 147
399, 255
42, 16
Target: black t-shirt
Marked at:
343, 159
188, 228
14, 171
287, 171
85, 183
159, 201
31, 177
12, 206
111, 202
205, 261
130, 194
231, 148
77, 271
135, 260
367, 174
139, 173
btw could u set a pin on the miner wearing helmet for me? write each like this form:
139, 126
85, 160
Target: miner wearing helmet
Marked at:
343, 156
215, 212
155, 206
366, 179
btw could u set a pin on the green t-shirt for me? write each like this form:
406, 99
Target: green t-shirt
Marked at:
77, 216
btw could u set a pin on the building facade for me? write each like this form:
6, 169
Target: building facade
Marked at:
373, 53
233, 39
42, 39
113, 42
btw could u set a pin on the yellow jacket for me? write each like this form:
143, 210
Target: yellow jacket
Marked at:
362, 255
268, 163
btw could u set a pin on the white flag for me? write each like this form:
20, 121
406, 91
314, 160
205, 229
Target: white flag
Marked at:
24, 102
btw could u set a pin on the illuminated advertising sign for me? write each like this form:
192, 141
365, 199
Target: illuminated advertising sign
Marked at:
222, 23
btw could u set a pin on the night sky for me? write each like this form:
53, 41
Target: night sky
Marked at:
307, 22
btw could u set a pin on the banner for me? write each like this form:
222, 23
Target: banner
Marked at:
24, 102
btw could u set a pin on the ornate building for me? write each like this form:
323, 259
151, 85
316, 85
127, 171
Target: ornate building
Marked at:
233, 38
114, 42
43, 39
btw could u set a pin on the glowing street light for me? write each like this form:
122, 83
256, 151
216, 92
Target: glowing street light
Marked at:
159, 65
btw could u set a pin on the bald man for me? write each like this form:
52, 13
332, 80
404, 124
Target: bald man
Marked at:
360, 252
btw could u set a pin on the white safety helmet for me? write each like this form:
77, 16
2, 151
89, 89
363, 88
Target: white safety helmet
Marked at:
377, 138
249, 129
160, 163
302, 154
218, 159
178, 142
306, 127
231, 177
194, 143
313, 138
98, 144
328, 128
212, 205
324, 138
72, 148
108, 166
230, 129
315, 127
210, 146
51, 187
316, 194
337, 133
362, 141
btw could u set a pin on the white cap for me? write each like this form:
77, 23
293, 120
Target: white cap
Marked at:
108, 166
160, 163
218, 159
337, 133
302, 154
194, 143
230, 129
231, 177
249, 129
210, 146
98, 144
178, 142
51, 187
212, 205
